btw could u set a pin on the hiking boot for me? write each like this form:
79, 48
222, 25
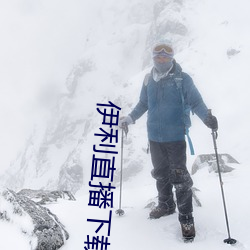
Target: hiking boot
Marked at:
160, 211
188, 231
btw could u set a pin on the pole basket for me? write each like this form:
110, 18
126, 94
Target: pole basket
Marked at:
120, 212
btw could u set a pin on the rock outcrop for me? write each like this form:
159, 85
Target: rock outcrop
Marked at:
45, 231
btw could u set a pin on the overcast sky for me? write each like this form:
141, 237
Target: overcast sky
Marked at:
40, 42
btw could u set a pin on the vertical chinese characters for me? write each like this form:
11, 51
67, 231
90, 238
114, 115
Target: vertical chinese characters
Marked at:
103, 167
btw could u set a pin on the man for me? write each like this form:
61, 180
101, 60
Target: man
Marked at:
165, 103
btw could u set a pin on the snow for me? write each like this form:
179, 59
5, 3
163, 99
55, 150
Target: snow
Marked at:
12, 228
134, 230
12, 233
40, 62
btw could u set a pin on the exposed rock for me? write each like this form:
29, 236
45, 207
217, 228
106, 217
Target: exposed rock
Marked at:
78, 71
48, 230
232, 52
44, 196
71, 173
209, 160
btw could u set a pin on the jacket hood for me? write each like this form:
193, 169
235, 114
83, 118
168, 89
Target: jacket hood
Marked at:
176, 68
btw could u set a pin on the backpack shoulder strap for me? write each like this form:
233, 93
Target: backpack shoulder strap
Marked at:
179, 81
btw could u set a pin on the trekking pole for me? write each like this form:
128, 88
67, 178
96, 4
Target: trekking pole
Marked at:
229, 240
120, 211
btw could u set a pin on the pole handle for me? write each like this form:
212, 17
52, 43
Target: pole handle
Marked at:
125, 128
214, 132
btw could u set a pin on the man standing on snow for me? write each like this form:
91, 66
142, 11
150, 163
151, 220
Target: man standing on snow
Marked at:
165, 103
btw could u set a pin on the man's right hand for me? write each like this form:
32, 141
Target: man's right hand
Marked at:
125, 121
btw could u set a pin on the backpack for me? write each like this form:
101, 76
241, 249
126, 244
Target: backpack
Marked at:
186, 108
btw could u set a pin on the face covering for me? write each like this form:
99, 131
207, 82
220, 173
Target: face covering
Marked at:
163, 67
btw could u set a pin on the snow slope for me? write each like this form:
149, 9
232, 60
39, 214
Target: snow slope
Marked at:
135, 231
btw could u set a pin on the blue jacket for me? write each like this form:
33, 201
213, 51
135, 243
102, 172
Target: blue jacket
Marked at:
163, 101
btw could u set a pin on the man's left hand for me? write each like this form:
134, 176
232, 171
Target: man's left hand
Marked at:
211, 122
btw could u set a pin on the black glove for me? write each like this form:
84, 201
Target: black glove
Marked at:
211, 122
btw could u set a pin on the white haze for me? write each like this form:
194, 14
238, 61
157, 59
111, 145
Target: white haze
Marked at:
42, 40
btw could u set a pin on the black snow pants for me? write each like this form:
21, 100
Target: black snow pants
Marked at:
169, 162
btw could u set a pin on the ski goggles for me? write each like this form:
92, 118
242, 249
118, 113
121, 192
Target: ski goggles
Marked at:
163, 50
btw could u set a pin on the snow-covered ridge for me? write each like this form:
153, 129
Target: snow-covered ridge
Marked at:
55, 156
211, 43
